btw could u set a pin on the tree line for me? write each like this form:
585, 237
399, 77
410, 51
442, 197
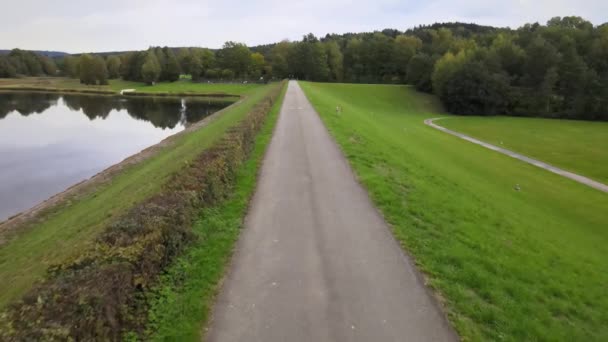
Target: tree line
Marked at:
234, 61
555, 70
21, 62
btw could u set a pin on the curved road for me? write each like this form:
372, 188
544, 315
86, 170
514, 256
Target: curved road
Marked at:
316, 262
575, 177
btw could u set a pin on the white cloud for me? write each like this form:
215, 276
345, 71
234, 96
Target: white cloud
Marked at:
111, 25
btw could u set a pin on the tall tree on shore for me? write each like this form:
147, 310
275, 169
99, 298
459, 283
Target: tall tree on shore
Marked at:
100, 70
184, 58
48, 66
196, 64
87, 69
71, 67
170, 69
113, 64
131, 65
256, 67
236, 57
150, 70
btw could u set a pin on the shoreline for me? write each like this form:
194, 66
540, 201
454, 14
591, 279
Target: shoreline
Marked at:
118, 94
21, 220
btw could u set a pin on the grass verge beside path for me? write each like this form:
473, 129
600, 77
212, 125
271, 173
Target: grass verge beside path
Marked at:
71, 227
511, 265
576, 146
185, 297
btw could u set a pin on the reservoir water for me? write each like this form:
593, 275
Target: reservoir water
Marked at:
49, 142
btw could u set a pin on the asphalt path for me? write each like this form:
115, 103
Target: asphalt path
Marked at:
316, 261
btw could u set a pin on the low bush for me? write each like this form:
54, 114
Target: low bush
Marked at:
101, 293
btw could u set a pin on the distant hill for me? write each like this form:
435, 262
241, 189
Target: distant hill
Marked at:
459, 29
52, 54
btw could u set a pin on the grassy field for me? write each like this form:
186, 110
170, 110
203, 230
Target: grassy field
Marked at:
510, 265
185, 86
181, 86
186, 293
577, 146
25, 258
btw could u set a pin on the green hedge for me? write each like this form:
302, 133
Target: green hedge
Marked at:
101, 293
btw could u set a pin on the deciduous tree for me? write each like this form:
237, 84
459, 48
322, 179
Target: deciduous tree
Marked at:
150, 70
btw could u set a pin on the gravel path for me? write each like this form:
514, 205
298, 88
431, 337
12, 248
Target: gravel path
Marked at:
548, 167
316, 261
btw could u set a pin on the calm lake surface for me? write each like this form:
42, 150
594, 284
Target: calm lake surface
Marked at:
49, 142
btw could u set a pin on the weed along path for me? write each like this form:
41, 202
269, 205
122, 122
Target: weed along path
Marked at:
575, 177
316, 262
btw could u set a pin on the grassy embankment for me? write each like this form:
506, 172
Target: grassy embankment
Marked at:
184, 298
577, 146
70, 227
510, 265
183, 86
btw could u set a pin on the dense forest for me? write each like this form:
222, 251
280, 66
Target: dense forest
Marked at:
555, 70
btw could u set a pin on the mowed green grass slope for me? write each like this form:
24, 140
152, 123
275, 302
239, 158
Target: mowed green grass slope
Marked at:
577, 146
71, 226
510, 265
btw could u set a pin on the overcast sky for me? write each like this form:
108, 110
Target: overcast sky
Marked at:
112, 25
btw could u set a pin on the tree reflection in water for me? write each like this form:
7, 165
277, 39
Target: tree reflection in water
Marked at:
162, 112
